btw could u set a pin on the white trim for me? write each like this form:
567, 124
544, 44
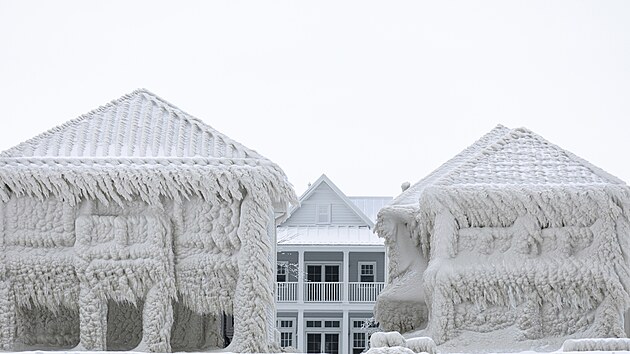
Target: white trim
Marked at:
285, 265
323, 264
292, 329
344, 198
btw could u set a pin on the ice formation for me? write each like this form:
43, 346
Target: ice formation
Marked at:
596, 344
394, 342
137, 226
513, 233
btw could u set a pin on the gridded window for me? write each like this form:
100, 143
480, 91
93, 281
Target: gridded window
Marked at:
366, 272
358, 342
281, 272
286, 324
323, 213
331, 324
357, 324
286, 339
313, 324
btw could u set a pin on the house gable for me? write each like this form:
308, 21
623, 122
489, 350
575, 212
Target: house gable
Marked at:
324, 194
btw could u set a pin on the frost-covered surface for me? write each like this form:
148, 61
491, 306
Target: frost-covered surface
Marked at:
513, 244
394, 342
596, 344
114, 236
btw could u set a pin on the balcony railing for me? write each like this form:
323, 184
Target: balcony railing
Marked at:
364, 292
287, 292
329, 291
322, 292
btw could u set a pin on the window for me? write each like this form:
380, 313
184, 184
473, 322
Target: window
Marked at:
323, 213
331, 324
286, 339
366, 272
287, 332
358, 342
312, 324
281, 271
314, 273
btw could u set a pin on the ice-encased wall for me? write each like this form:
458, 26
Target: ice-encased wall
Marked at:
66, 265
551, 263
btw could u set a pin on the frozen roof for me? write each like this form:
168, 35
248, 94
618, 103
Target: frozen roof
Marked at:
370, 205
139, 124
139, 146
515, 157
328, 235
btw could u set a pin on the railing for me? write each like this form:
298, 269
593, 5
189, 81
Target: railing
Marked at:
287, 292
322, 292
329, 291
364, 292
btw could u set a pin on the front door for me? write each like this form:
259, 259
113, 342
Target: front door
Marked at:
322, 343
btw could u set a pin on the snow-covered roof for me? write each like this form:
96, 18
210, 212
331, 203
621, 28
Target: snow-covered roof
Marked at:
136, 125
370, 205
507, 173
506, 156
327, 235
138, 145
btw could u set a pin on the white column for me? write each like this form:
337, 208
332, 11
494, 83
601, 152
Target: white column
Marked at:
300, 298
346, 275
345, 334
386, 267
299, 332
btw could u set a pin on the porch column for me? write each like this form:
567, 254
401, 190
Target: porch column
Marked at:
299, 331
345, 334
300, 298
346, 276
386, 267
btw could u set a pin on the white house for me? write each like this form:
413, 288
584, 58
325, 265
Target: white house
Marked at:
330, 270
514, 240
137, 226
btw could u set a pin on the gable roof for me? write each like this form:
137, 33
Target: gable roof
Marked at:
139, 146
506, 156
139, 124
324, 179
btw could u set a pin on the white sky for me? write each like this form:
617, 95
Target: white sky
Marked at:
371, 93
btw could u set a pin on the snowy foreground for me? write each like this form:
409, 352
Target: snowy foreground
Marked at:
112, 352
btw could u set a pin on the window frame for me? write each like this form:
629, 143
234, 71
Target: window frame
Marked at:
320, 207
360, 272
285, 266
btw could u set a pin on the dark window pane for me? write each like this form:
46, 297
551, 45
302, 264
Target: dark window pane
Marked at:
313, 342
331, 343
332, 273
314, 273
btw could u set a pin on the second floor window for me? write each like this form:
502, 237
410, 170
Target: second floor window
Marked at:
366, 272
281, 273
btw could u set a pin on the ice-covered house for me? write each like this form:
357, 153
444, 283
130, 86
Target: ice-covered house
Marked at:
331, 267
515, 235
137, 226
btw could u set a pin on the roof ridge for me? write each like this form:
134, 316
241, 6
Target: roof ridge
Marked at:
178, 115
503, 141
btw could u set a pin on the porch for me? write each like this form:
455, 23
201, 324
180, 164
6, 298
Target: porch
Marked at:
328, 291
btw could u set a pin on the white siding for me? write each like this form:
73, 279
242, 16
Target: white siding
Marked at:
342, 214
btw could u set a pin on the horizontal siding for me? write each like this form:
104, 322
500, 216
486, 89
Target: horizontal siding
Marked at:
342, 214
356, 257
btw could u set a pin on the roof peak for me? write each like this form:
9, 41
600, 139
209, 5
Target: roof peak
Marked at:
510, 157
137, 124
